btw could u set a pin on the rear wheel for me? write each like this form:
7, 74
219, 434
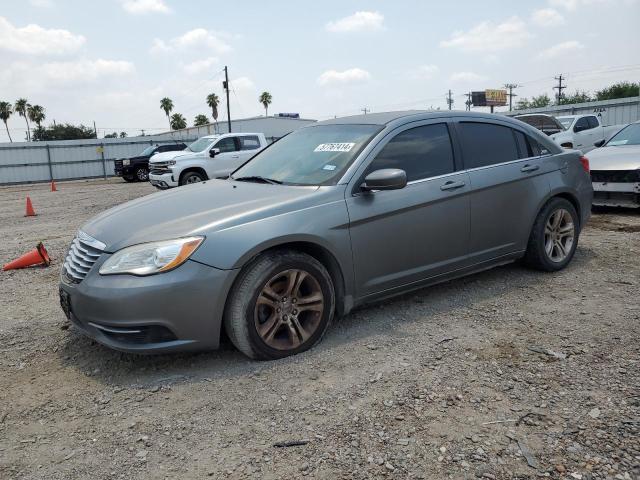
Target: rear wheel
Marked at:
142, 174
554, 236
281, 305
191, 177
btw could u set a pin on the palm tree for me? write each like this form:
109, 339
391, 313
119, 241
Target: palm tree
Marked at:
5, 113
36, 115
20, 108
200, 120
166, 104
178, 121
265, 99
213, 101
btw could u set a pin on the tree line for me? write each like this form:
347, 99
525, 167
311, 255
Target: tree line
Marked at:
617, 90
177, 121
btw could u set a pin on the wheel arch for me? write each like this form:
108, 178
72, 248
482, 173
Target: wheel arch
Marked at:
193, 169
571, 197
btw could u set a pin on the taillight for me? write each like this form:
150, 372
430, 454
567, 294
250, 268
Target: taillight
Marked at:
585, 163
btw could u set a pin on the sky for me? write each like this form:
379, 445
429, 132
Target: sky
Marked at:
111, 61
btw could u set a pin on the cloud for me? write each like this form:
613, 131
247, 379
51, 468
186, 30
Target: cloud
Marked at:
547, 17
358, 22
489, 37
198, 38
560, 50
467, 77
424, 72
35, 40
85, 70
242, 84
41, 3
351, 75
200, 66
137, 7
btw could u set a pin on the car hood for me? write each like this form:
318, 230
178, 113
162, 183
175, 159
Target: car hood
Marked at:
619, 157
164, 156
198, 209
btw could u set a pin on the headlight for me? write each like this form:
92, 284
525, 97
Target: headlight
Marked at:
171, 162
126, 161
150, 258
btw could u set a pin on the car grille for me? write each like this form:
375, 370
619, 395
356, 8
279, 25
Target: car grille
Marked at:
83, 253
159, 168
615, 176
118, 163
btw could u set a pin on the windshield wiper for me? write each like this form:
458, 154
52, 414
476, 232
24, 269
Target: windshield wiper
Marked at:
257, 178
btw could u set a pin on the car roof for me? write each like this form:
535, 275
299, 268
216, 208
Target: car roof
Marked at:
400, 117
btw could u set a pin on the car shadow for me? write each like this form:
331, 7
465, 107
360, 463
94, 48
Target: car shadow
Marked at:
378, 319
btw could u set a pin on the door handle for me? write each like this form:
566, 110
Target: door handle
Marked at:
529, 168
451, 185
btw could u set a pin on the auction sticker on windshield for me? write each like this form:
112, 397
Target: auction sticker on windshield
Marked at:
334, 147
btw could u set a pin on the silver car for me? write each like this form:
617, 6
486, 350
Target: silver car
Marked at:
330, 217
616, 169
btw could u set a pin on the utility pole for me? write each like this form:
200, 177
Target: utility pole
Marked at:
95, 129
365, 110
468, 101
450, 99
225, 85
511, 87
560, 87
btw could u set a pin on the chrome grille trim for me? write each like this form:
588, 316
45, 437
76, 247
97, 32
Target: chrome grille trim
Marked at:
83, 253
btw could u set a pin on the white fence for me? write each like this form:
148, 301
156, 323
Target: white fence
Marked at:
28, 162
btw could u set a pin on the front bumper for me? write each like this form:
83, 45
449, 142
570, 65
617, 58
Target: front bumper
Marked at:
162, 181
180, 310
124, 171
616, 194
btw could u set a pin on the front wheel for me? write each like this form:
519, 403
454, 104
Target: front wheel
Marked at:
191, 177
554, 236
281, 305
142, 174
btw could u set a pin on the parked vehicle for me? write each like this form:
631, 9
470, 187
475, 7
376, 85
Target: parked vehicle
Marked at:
582, 132
334, 215
136, 169
616, 169
213, 156
547, 124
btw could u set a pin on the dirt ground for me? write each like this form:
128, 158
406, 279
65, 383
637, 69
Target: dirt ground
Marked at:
506, 374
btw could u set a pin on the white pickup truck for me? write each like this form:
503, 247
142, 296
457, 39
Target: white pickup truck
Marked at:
212, 156
583, 132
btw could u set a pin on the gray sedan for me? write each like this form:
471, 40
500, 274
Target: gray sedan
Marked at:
330, 217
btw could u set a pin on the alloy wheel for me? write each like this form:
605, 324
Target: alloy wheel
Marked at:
559, 234
193, 179
289, 309
142, 174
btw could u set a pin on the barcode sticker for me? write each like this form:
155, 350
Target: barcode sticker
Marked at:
334, 147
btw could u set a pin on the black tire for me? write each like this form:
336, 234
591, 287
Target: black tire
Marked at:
142, 174
129, 179
240, 318
191, 177
536, 255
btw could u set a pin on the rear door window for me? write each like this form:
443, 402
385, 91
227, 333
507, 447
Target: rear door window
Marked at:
422, 152
249, 143
485, 144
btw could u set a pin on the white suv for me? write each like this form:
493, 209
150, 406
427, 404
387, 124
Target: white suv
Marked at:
213, 156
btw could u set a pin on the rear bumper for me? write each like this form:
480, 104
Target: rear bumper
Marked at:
180, 310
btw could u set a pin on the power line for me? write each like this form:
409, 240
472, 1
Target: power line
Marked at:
511, 87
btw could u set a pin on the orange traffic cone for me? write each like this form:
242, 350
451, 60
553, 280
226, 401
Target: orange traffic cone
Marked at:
53, 186
30, 211
37, 256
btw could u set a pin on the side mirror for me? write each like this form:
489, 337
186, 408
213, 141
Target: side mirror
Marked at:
385, 179
599, 143
213, 152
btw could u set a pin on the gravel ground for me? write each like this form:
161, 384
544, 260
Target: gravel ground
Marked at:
505, 374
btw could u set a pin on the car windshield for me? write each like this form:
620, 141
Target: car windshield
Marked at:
148, 150
565, 121
629, 135
201, 144
316, 155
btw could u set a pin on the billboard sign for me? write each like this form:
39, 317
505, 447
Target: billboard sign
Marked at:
489, 98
